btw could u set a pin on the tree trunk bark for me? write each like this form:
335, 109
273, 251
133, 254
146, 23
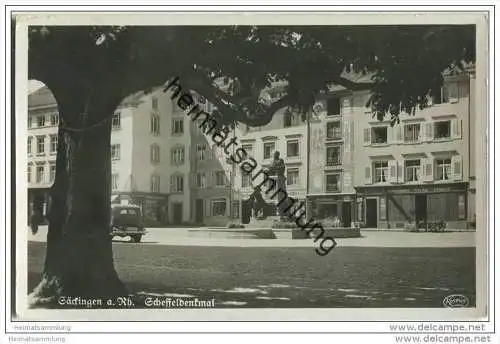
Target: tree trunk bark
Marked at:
79, 258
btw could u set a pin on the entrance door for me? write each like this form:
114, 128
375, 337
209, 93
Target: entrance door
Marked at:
177, 213
346, 214
421, 208
371, 213
199, 214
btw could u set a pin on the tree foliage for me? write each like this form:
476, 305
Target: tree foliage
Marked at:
232, 65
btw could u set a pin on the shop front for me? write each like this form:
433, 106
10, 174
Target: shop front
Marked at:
154, 206
392, 207
332, 207
38, 200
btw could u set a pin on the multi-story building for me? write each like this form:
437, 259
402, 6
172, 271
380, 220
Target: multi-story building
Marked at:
342, 161
43, 120
420, 169
149, 153
330, 150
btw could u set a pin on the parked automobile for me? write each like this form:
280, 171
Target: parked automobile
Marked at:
126, 220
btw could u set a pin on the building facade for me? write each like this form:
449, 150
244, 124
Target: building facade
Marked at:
149, 150
331, 193
420, 169
343, 163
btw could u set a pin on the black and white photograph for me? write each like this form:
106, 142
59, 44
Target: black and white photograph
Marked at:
219, 163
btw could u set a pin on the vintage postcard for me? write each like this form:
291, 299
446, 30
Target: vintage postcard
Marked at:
270, 166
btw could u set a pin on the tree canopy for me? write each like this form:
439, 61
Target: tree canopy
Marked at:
404, 62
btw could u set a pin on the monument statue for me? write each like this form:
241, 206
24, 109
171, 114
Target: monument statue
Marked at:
277, 170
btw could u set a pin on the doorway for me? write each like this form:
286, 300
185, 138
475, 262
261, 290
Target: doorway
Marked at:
421, 208
177, 213
346, 214
246, 211
371, 213
199, 214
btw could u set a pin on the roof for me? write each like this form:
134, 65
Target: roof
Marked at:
43, 97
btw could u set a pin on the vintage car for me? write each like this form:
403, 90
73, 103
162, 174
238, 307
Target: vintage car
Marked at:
126, 220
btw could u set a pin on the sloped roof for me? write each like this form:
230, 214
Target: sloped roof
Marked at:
43, 97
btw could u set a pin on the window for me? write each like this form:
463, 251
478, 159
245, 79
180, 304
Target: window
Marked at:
30, 122
333, 130
114, 181
443, 167
155, 153
290, 120
200, 180
178, 156
40, 170
246, 179
381, 171
201, 152
442, 130
379, 135
40, 121
115, 152
53, 144
116, 121
52, 172
220, 178
450, 92
40, 144
54, 119
155, 183
436, 95
178, 126
333, 156
155, 124
292, 176
411, 132
292, 148
269, 148
412, 170
154, 103
248, 149
30, 144
333, 182
29, 171
177, 184
333, 107
219, 207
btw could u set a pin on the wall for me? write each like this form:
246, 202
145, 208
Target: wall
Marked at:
319, 143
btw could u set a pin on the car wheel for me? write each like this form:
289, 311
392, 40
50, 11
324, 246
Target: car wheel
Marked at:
137, 238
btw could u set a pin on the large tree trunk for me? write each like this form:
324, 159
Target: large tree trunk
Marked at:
79, 259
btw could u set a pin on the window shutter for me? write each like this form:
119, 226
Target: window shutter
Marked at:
392, 171
456, 128
456, 165
429, 170
211, 181
368, 175
428, 132
400, 176
422, 170
366, 136
172, 186
210, 208
399, 133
